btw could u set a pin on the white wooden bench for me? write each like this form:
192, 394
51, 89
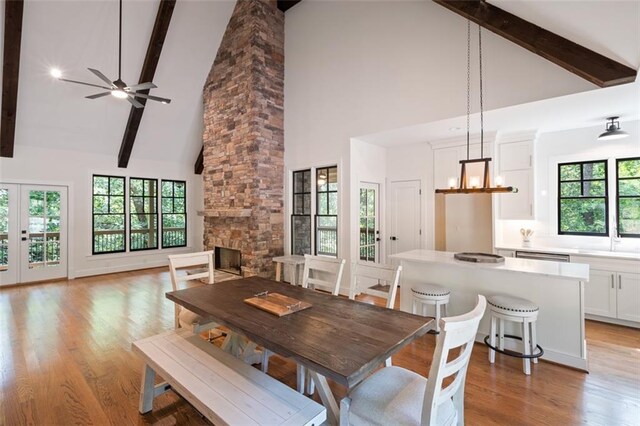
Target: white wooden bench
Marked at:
221, 387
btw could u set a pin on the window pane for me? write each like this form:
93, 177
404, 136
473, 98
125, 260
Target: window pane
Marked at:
306, 185
100, 204
629, 168
53, 224
371, 202
307, 204
629, 221
178, 205
594, 188
167, 205
629, 187
593, 170
301, 235
108, 222
583, 216
36, 203
167, 189
36, 225
333, 179
116, 205
570, 189
53, 203
570, 172
173, 220
323, 207
333, 203
298, 204
117, 186
179, 189
101, 185
135, 186
363, 202
298, 182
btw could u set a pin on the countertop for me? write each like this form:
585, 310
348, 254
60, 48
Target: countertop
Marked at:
564, 270
574, 252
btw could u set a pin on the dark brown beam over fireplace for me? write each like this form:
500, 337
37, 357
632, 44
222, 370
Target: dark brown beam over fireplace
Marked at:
160, 28
586, 63
10, 73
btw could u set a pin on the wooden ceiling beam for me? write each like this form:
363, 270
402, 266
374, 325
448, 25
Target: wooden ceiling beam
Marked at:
199, 166
586, 63
10, 72
158, 35
285, 5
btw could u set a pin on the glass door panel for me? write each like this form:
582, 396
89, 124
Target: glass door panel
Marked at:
369, 237
8, 234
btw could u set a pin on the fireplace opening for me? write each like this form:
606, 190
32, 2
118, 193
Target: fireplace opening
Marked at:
228, 260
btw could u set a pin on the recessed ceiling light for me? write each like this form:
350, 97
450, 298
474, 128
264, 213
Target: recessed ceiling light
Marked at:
454, 129
55, 73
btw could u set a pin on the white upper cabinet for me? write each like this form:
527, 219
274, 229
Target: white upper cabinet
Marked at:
515, 165
446, 163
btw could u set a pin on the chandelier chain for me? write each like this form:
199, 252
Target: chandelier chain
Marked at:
481, 97
468, 81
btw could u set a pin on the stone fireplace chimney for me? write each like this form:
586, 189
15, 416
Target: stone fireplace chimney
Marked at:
244, 138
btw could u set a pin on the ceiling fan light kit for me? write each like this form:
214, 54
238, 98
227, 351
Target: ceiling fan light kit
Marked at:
613, 130
474, 181
118, 88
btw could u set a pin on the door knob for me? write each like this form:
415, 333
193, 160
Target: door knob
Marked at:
394, 239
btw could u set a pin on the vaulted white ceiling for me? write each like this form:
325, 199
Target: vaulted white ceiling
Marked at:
74, 35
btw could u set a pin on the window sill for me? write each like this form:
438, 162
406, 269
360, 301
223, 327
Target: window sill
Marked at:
138, 253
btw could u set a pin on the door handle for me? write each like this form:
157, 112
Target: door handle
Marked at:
377, 239
24, 238
619, 282
394, 239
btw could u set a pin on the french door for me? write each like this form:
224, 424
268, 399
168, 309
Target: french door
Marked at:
33, 233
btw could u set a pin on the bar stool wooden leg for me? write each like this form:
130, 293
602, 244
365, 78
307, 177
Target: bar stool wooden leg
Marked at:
534, 340
278, 271
526, 346
492, 340
437, 317
414, 307
501, 335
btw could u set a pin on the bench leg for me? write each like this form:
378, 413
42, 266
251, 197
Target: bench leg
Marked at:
147, 390
300, 376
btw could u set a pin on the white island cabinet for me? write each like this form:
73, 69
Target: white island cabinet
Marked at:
556, 287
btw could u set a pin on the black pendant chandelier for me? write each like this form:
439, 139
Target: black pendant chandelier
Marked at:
473, 186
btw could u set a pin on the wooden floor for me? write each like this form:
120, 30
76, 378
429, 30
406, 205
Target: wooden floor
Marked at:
65, 358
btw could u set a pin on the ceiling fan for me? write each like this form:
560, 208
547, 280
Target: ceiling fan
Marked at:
117, 88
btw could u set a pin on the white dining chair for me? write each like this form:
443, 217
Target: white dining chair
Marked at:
320, 273
394, 395
364, 276
198, 266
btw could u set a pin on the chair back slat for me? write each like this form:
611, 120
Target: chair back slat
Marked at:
456, 332
383, 274
323, 272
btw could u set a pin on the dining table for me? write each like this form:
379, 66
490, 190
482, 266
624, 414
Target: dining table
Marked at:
335, 338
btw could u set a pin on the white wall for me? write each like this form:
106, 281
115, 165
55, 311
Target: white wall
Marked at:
356, 68
75, 169
566, 146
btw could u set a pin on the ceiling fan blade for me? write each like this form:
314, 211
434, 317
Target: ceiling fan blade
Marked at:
141, 86
101, 76
134, 102
99, 95
153, 98
86, 84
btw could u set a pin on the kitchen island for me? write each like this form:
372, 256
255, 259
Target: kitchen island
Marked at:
556, 287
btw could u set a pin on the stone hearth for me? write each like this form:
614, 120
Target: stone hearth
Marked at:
244, 138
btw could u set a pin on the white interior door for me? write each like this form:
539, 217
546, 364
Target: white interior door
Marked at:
405, 214
369, 223
9, 234
43, 233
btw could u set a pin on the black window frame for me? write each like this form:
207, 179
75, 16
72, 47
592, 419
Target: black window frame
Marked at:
131, 213
582, 180
317, 215
295, 215
618, 196
162, 213
93, 213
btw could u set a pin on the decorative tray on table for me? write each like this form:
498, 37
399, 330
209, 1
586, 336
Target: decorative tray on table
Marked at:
276, 303
479, 257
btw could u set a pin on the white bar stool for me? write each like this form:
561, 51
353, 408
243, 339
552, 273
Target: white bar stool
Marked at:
508, 308
430, 294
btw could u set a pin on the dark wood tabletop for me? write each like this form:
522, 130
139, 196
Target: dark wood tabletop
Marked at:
339, 338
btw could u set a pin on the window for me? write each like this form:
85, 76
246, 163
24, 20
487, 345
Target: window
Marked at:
108, 214
174, 213
628, 196
582, 200
301, 217
327, 211
143, 214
